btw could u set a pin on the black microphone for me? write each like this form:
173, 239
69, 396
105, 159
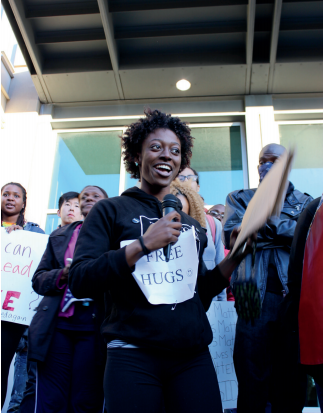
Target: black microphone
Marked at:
169, 204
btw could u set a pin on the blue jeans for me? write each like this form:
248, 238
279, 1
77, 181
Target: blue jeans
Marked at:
19, 381
28, 402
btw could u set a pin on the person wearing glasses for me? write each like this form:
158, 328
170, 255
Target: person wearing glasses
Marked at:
190, 175
217, 211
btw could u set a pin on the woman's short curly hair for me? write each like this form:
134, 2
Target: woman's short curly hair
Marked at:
137, 132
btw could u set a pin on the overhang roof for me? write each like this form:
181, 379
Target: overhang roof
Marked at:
122, 50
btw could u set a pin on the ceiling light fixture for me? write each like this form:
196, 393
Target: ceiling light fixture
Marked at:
183, 84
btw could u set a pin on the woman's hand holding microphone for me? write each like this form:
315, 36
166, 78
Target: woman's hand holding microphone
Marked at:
163, 232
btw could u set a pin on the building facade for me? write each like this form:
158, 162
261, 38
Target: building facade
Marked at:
54, 148
73, 76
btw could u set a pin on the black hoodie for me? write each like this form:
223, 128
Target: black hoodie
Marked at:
99, 264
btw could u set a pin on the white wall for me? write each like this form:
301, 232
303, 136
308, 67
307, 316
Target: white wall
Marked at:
261, 130
31, 146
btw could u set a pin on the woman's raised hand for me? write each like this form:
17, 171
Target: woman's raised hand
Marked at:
163, 232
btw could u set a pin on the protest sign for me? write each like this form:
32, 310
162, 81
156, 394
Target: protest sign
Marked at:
223, 318
21, 252
169, 282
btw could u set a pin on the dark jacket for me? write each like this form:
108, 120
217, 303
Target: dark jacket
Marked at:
44, 281
100, 264
277, 235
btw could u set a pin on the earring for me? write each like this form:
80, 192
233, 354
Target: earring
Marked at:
136, 163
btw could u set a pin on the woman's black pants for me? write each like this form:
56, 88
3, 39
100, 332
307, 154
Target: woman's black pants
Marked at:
141, 380
10, 336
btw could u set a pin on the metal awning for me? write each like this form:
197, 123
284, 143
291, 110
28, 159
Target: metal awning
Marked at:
124, 50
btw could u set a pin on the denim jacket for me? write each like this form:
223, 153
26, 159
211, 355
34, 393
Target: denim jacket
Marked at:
32, 227
276, 235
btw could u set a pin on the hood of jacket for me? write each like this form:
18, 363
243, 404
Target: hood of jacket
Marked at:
147, 199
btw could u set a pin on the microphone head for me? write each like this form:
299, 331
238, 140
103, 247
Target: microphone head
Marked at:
170, 197
169, 201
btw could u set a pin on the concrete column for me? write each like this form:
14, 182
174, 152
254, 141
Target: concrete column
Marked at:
31, 144
19, 129
41, 172
261, 130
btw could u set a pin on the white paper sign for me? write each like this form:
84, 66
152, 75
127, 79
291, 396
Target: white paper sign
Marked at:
21, 252
223, 318
169, 282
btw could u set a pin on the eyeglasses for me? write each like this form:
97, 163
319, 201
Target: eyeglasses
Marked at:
216, 214
182, 178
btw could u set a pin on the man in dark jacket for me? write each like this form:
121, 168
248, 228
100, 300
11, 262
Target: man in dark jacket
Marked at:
256, 351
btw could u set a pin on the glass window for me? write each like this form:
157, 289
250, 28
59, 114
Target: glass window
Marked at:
86, 158
52, 222
307, 170
130, 182
217, 157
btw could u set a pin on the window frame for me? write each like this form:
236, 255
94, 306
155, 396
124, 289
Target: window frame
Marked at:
122, 180
244, 156
78, 130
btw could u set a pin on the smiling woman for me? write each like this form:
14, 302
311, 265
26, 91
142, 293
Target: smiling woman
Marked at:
157, 350
159, 161
155, 120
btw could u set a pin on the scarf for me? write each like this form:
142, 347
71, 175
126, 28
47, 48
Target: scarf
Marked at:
263, 169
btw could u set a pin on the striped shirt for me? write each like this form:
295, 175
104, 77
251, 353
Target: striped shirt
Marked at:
120, 343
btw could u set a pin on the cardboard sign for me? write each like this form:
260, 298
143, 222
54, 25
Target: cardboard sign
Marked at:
169, 282
223, 318
21, 252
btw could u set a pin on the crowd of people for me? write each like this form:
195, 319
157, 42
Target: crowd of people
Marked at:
96, 343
